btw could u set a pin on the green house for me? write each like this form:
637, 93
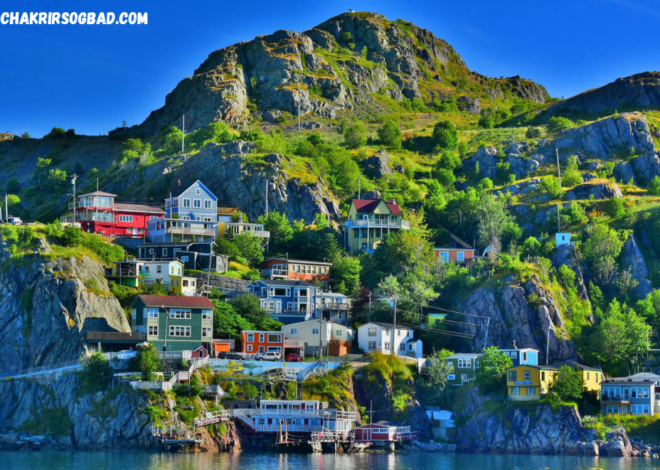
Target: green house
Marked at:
465, 368
174, 323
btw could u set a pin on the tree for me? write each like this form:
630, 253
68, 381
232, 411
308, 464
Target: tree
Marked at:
249, 247
551, 185
227, 322
533, 133
436, 391
13, 186
346, 36
147, 361
572, 176
280, 230
491, 374
390, 135
614, 208
250, 392
226, 247
449, 161
531, 247
96, 372
445, 135
445, 177
56, 179
12, 200
346, 270
493, 217
56, 133
654, 186
355, 135
71, 236
70, 134
42, 171
557, 124
248, 306
568, 384
601, 248
487, 122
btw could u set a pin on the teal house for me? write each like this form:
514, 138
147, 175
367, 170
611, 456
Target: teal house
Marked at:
174, 323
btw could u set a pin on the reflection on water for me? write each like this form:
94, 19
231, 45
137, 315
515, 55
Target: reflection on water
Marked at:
247, 461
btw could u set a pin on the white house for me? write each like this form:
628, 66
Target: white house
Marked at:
316, 332
377, 336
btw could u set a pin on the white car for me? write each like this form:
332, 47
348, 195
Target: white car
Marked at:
126, 355
269, 356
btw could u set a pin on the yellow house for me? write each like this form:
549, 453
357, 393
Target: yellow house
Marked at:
529, 382
169, 273
226, 224
369, 221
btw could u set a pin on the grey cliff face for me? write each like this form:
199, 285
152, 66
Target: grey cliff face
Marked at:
47, 306
633, 260
512, 318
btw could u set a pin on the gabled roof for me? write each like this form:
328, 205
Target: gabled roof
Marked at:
270, 282
625, 382
130, 207
386, 325
533, 366
575, 365
175, 301
367, 206
459, 248
166, 244
317, 320
460, 355
98, 193
183, 188
297, 261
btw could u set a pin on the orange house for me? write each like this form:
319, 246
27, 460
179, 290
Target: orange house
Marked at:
455, 255
254, 342
296, 270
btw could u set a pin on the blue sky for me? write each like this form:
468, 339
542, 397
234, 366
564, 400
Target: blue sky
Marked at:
91, 78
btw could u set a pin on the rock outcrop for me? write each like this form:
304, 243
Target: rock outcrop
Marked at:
485, 159
524, 314
598, 191
639, 90
646, 167
633, 260
57, 415
609, 137
46, 307
565, 255
337, 66
377, 165
623, 173
240, 181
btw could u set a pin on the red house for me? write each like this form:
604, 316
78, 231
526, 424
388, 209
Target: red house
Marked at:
98, 212
455, 255
384, 433
255, 342
296, 270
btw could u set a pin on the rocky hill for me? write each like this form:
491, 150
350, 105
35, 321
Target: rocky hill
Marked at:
353, 62
641, 90
47, 306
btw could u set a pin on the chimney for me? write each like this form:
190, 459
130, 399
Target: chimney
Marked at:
179, 185
394, 201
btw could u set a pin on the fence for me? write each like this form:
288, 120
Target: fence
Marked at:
47, 372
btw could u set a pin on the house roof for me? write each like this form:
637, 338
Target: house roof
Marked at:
460, 355
129, 207
272, 282
98, 193
317, 320
644, 376
228, 210
175, 301
298, 261
155, 245
183, 188
550, 367
518, 349
367, 206
624, 382
386, 325
438, 248
575, 365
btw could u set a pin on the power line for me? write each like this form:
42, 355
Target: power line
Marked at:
440, 332
459, 313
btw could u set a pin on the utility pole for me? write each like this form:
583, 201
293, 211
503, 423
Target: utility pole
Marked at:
183, 137
267, 197
298, 117
558, 220
73, 182
547, 347
360, 186
393, 328
558, 168
6, 210
369, 306
167, 321
487, 327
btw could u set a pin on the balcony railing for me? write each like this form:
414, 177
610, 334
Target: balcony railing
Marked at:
375, 223
336, 306
255, 229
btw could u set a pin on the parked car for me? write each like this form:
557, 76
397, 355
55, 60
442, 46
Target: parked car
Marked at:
230, 355
126, 355
269, 356
293, 357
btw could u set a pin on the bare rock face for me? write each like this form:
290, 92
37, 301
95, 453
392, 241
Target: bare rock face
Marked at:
565, 255
609, 136
647, 167
524, 314
47, 306
598, 191
639, 90
634, 260
623, 173
378, 164
486, 158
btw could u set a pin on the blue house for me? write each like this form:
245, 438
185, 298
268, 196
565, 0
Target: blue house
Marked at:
522, 356
288, 301
190, 215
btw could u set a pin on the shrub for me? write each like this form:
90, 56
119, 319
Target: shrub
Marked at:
533, 133
390, 135
346, 36
96, 373
487, 122
654, 186
146, 362
614, 208
551, 185
56, 133
557, 124
355, 135
445, 135
71, 236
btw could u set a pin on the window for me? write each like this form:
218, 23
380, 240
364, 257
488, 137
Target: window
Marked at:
398, 332
387, 346
515, 390
180, 331
153, 331
531, 390
528, 376
339, 333
206, 333
513, 376
197, 203
460, 256
207, 314
186, 203
184, 259
372, 332
524, 356
207, 219
274, 338
126, 218
207, 204
372, 345
464, 377
261, 337
402, 347
294, 331
159, 269
451, 377
181, 314
543, 376
250, 337
151, 251
153, 313
587, 375
514, 355
249, 348
315, 331
134, 316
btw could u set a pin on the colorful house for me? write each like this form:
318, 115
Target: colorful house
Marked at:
126, 273
222, 346
98, 212
336, 307
528, 382
288, 301
190, 215
174, 323
254, 342
335, 339
384, 433
522, 356
465, 368
193, 255
169, 273
227, 226
636, 394
369, 221
378, 336
433, 318
455, 255
591, 376
296, 269
563, 238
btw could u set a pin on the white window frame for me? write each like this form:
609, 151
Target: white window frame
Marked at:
152, 330
152, 313
186, 203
